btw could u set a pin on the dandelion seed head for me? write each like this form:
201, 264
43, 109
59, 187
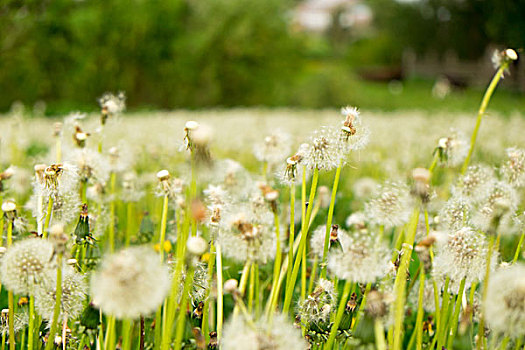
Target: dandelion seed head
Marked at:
505, 303
74, 293
391, 206
278, 334
316, 308
513, 170
25, 263
498, 200
112, 104
470, 186
364, 187
462, 254
454, 214
274, 148
130, 283
324, 152
361, 259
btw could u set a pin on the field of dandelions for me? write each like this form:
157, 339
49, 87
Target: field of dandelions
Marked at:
263, 229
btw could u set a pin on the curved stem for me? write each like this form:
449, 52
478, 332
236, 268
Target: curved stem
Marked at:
518, 248
481, 112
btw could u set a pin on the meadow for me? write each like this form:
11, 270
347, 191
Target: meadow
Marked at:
263, 228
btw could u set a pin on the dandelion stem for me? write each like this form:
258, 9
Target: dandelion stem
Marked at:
379, 333
58, 303
291, 236
420, 311
339, 315
400, 282
126, 334
484, 103
304, 230
10, 296
113, 179
220, 300
518, 248
163, 222
278, 255
481, 327
31, 325
182, 311
206, 310
363, 305
48, 216
329, 219
455, 318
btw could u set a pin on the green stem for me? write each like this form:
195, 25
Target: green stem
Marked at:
10, 296
481, 328
420, 311
329, 219
379, 333
126, 334
339, 315
31, 326
220, 300
278, 257
304, 230
113, 179
362, 306
164, 220
58, 303
129, 223
455, 318
481, 112
400, 281
48, 216
182, 312
291, 236
441, 332
518, 248
206, 310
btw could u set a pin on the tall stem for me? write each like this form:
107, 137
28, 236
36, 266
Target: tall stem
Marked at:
58, 303
220, 300
339, 315
481, 112
400, 282
163, 223
304, 230
518, 248
112, 213
329, 219
10, 296
420, 311
481, 331
291, 236
31, 326
455, 318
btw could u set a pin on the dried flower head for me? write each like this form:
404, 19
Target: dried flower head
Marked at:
324, 150
111, 104
505, 304
500, 58
354, 135
453, 149
25, 264
130, 283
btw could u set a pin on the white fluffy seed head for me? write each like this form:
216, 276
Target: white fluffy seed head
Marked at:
471, 184
505, 304
196, 245
74, 293
25, 264
274, 148
278, 334
513, 169
361, 259
391, 205
324, 151
130, 283
462, 254
315, 309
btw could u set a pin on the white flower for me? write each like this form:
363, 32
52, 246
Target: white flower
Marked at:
505, 304
130, 283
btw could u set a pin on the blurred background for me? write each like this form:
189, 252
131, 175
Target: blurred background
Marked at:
61, 55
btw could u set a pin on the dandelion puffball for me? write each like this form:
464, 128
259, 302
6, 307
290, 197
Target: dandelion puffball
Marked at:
130, 283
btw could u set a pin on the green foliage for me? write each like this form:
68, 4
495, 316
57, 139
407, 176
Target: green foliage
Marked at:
162, 53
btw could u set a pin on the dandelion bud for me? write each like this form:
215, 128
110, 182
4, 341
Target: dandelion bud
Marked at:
196, 245
421, 189
230, 286
191, 125
71, 262
163, 175
7, 173
375, 305
511, 54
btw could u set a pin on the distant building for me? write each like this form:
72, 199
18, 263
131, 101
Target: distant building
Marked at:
319, 15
